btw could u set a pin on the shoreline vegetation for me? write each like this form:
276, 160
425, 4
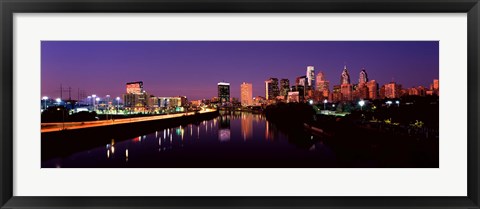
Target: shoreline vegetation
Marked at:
398, 134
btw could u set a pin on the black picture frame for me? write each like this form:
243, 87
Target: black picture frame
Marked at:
9, 7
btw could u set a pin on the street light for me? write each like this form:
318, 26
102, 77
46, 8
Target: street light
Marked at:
58, 100
325, 104
93, 101
389, 103
311, 102
108, 102
398, 103
361, 103
118, 101
45, 101
98, 101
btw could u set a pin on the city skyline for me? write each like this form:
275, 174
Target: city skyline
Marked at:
187, 68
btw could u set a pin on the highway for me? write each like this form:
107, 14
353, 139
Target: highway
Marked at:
50, 127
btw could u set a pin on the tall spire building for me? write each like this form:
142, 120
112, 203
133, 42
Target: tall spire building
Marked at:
345, 85
345, 77
361, 91
363, 78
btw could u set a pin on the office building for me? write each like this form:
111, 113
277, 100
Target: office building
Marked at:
223, 92
246, 94
271, 88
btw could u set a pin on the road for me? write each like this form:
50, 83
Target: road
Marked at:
50, 127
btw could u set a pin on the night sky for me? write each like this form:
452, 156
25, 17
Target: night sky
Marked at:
193, 68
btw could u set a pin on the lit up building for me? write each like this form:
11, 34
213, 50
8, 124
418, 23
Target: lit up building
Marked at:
392, 90
310, 77
167, 102
136, 98
372, 89
223, 92
336, 95
271, 88
284, 87
301, 91
345, 77
346, 87
246, 94
293, 96
361, 90
436, 87
363, 78
135, 87
322, 86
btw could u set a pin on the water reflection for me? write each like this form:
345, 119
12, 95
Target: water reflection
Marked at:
224, 129
247, 126
220, 142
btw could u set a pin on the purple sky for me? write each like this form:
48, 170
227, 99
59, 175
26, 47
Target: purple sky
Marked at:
193, 68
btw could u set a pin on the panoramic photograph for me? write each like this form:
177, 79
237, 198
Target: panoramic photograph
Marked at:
239, 104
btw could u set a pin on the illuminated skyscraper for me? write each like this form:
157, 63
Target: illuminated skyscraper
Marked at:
361, 90
345, 77
363, 78
224, 92
322, 85
346, 87
136, 98
372, 89
392, 90
135, 87
246, 95
310, 77
271, 88
284, 87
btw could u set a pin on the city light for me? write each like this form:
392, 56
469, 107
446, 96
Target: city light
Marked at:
45, 101
58, 100
361, 103
311, 102
389, 103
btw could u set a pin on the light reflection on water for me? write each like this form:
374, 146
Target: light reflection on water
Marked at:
230, 140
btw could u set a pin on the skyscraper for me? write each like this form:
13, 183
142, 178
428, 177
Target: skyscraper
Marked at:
372, 86
134, 87
271, 88
246, 97
345, 77
361, 90
392, 90
284, 87
322, 85
310, 77
363, 78
136, 98
224, 92
346, 87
